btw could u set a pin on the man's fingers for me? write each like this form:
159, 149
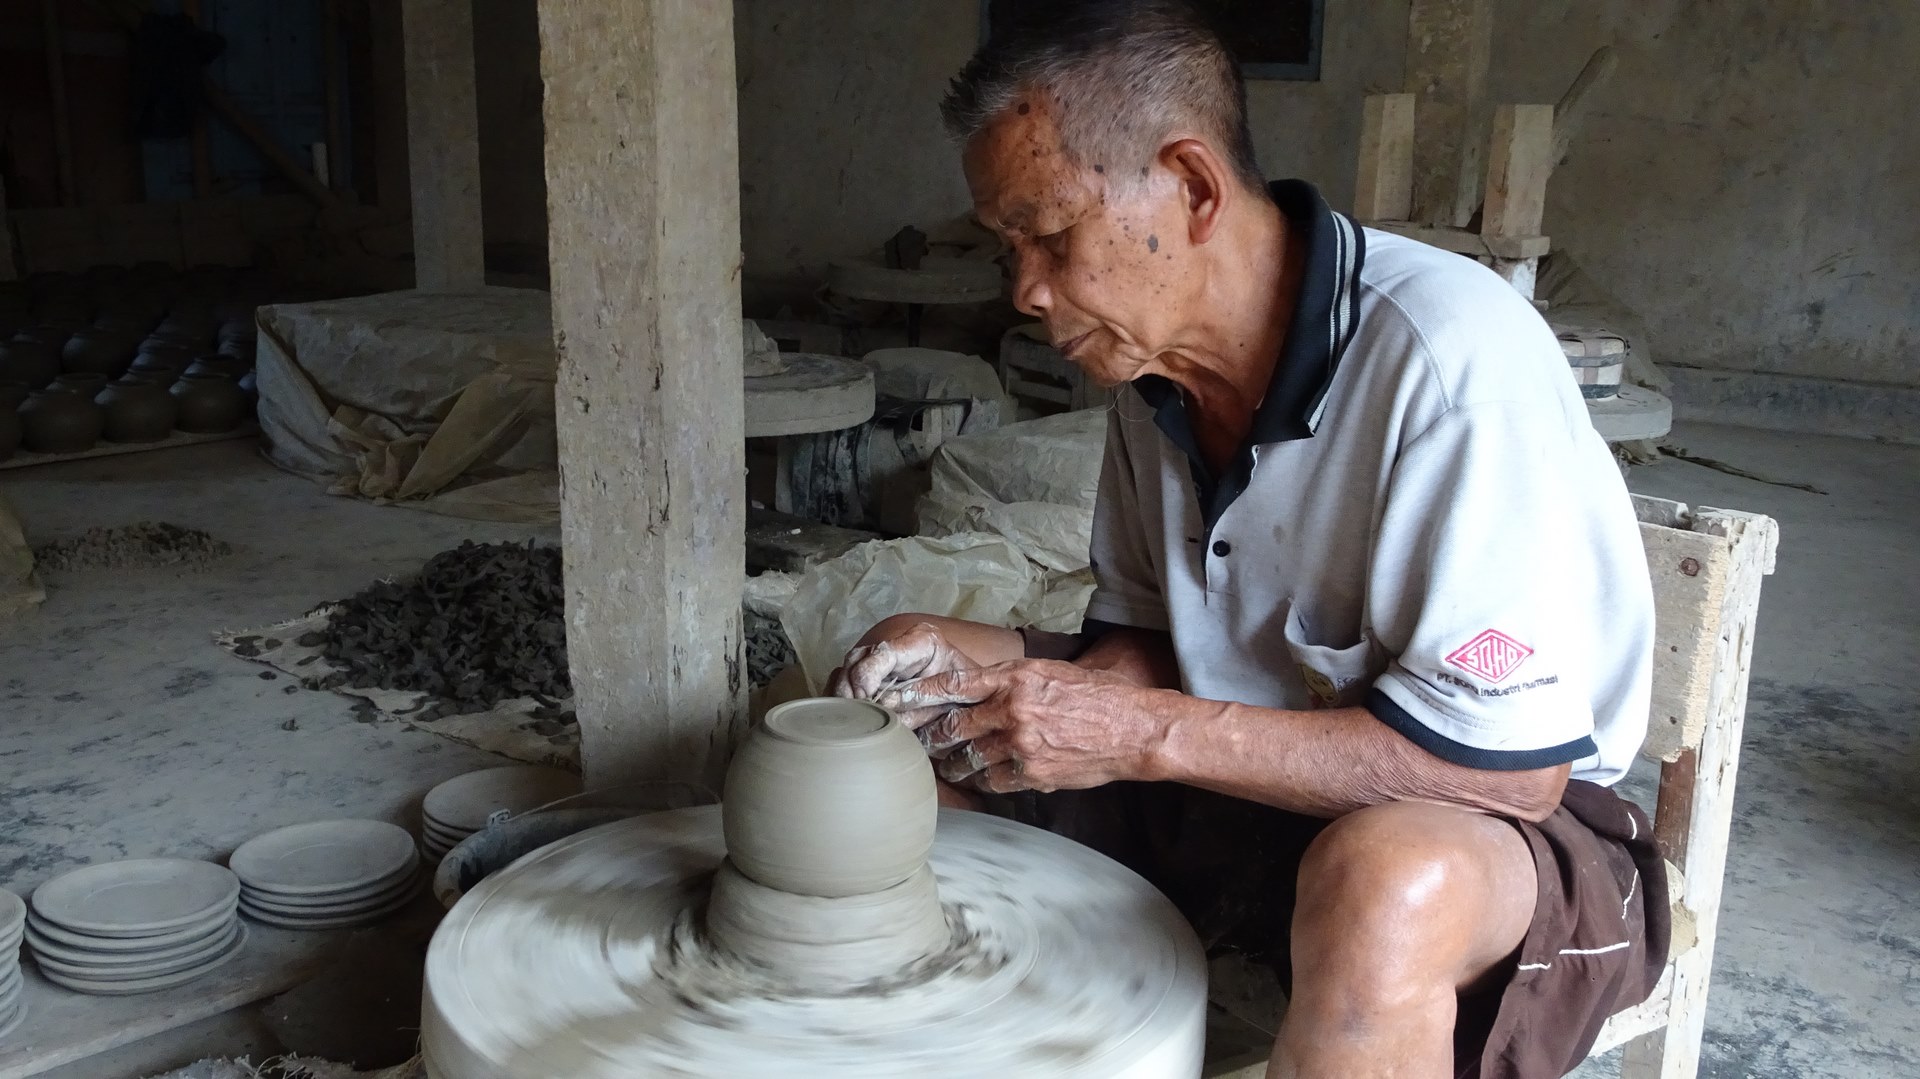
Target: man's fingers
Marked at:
973, 757
970, 686
871, 669
1003, 778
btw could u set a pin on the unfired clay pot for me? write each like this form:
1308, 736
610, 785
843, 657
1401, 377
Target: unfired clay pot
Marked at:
165, 367
59, 421
85, 383
228, 367
208, 404
9, 432
106, 351
11, 394
28, 360
136, 409
830, 797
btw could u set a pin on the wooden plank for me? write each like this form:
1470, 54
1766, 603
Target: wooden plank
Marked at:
443, 145
1383, 186
23, 459
264, 143
1574, 105
1463, 242
1518, 167
642, 165
57, 94
1689, 574
1674, 1052
1449, 44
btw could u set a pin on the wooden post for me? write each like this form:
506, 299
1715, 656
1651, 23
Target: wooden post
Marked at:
1383, 188
1449, 43
56, 48
644, 232
1518, 167
443, 145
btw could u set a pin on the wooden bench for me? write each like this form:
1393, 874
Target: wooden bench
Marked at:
1706, 566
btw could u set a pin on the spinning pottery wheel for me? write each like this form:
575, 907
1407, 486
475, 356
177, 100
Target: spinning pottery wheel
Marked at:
640, 948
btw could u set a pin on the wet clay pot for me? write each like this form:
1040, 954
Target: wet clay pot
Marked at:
249, 384
228, 367
161, 361
829, 797
57, 421
105, 351
11, 394
208, 404
136, 409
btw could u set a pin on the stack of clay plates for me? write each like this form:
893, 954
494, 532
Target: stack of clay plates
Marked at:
13, 924
328, 874
465, 804
121, 928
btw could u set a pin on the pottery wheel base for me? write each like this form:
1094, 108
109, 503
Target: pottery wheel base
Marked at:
589, 959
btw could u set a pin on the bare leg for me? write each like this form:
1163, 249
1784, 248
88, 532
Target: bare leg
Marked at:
1400, 907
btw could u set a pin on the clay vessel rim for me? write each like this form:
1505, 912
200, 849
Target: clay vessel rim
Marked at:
829, 721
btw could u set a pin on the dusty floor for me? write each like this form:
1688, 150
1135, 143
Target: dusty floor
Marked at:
113, 693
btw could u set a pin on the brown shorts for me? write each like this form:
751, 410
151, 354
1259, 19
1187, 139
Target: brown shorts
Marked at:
1597, 943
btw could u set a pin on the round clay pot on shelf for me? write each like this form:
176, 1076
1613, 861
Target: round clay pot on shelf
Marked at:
136, 409
105, 351
228, 367
9, 433
249, 384
59, 421
209, 404
12, 393
157, 355
84, 383
29, 360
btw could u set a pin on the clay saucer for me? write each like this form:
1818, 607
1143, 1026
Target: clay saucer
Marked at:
13, 921
331, 906
466, 804
109, 988
146, 968
65, 951
283, 920
140, 897
322, 857
196, 931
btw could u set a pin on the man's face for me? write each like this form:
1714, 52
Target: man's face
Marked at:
1109, 277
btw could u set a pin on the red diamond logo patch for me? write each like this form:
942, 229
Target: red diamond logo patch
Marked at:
1492, 656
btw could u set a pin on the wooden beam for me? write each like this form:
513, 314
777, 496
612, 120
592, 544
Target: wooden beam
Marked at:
1383, 187
57, 95
443, 145
644, 232
1518, 166
332, 77
1574, 105
263, 142
1449, 43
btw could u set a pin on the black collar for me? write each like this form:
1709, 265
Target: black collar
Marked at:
1322, 328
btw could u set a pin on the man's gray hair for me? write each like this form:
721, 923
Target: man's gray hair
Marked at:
1124, 75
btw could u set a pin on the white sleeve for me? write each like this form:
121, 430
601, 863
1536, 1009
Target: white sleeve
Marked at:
1476, 563
1126, 584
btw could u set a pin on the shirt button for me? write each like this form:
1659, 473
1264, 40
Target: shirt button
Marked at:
1222, 548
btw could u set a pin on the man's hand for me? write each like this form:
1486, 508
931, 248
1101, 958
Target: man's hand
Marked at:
1034, 725
918, 651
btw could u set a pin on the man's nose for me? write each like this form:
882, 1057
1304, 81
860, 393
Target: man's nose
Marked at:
1030, 292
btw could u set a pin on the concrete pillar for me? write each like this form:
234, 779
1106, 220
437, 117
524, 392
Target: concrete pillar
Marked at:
443, 145
643, 231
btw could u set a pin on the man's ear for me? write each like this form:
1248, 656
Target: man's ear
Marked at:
1206, 185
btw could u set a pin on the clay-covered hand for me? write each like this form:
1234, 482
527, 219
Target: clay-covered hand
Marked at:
871, 670
1035, 724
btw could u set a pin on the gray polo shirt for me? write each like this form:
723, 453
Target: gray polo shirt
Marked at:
1422, 522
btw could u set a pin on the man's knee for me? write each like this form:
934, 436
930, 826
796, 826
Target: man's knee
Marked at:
1380, 890
894, 625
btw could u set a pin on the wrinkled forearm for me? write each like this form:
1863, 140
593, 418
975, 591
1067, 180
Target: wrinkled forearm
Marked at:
1328, 763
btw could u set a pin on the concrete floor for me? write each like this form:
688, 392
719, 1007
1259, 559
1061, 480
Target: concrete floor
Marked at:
125, 732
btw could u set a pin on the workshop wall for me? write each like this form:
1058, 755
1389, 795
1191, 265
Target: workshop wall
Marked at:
1744, 183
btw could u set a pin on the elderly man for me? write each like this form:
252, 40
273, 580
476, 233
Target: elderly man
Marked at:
1372, 628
